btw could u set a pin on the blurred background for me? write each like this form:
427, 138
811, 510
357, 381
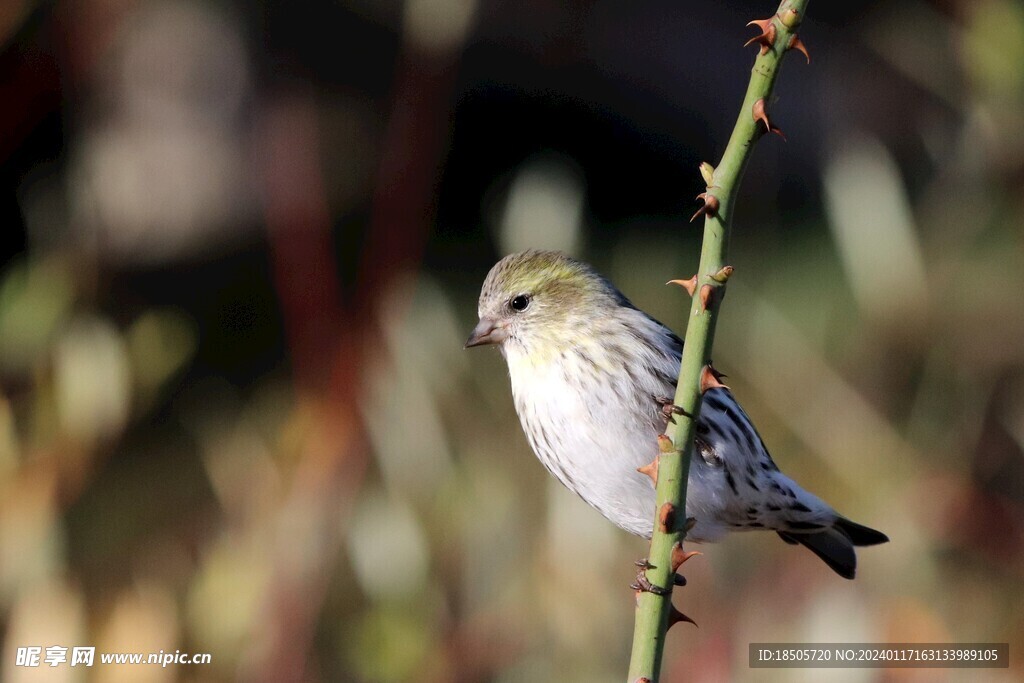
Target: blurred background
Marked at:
242, 248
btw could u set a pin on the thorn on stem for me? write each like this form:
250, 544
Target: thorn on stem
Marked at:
651, 470
766, 39
675, 616
679, 556
760, 114
689, 285
709, 379
796, 44
710, 206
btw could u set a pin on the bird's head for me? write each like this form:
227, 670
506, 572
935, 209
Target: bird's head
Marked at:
541, 301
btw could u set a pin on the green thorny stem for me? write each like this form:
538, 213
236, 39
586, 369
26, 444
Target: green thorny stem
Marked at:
655, 613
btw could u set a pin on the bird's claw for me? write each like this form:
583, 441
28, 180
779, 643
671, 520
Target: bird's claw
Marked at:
669, 409
644, 586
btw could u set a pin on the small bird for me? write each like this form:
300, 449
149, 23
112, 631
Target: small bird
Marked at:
589, 370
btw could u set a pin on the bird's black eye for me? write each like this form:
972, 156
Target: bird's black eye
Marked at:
520, 302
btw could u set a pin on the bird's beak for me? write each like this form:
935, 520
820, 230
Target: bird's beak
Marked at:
487, 331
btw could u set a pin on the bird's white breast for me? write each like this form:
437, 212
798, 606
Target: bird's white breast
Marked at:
572, 410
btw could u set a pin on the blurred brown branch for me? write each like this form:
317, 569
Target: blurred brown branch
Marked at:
334, 340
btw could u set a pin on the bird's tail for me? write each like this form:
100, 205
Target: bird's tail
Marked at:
859, 534
835, 546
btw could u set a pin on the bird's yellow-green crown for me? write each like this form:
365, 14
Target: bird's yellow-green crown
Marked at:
557, 275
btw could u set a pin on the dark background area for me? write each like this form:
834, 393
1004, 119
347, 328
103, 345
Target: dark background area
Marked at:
242, 248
